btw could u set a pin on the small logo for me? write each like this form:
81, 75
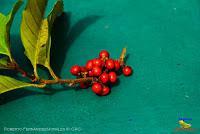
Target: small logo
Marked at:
184, 125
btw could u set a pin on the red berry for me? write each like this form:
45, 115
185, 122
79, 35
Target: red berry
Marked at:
83, 69
105, 91
75, 70
89, 65
112, 77
104, 78
96, 71
117, 65
97, 88
110, 64
84, 85
104, 54
127, 70
90, 74
97, 62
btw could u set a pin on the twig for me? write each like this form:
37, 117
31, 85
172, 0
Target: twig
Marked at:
68, 81
122, 56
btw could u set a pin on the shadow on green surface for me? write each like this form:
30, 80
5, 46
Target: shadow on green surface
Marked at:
15, 94
62, 38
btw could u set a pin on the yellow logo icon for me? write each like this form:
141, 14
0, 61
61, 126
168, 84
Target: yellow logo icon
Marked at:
184, 125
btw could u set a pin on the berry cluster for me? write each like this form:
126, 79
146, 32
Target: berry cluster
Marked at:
104, 71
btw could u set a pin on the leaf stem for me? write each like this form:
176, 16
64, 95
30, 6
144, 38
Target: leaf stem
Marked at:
52, 73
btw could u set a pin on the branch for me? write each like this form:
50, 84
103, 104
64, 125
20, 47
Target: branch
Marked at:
79, 80
68, 81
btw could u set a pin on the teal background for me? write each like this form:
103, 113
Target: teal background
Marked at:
162, 39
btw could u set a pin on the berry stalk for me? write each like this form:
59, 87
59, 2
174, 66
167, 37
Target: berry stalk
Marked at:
71, 82
122, 56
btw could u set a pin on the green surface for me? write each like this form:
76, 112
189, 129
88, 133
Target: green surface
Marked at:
163, 42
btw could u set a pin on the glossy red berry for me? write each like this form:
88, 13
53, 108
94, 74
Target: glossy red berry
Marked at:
83, 69
110, 64
104, 54
97, 62
89, 65
117, 65
105, 91
127, 70
104, 78
97, 88
96, 71
90, 74
84, 85
75, 70
112, 77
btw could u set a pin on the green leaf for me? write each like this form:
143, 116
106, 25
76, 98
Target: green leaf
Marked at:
8, 84
5, 24
4, 63
36, 32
